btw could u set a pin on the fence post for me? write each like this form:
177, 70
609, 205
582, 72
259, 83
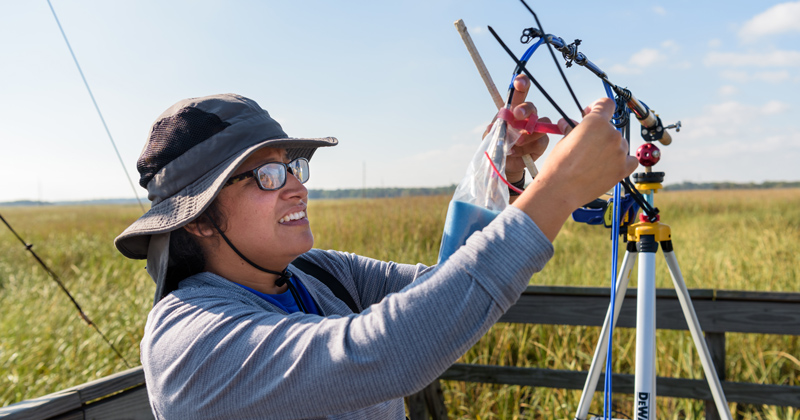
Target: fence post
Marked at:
716, 346
416, 406
427, 403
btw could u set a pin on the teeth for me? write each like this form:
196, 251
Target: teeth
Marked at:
292, 216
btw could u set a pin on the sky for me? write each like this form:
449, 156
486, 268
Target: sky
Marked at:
391, 80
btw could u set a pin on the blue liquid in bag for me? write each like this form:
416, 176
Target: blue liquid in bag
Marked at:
463, 219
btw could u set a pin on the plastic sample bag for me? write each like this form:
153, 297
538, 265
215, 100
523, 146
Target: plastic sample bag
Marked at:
483, 192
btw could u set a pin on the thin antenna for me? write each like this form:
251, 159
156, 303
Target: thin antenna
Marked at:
553, 54
487, 80
533, 79
97, 107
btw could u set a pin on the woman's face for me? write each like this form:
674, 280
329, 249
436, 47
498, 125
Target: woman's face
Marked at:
269, 227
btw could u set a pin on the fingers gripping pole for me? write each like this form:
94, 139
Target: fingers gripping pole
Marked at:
487, 80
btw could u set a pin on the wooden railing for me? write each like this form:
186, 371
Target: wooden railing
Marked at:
119, 396
123, 395
719, 312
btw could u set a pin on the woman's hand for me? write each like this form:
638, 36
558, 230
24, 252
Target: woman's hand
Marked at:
582, 166
533, 144
592, 157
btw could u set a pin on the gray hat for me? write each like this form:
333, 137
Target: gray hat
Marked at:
192, 150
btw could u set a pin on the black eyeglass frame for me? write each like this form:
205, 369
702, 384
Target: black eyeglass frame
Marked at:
254, 174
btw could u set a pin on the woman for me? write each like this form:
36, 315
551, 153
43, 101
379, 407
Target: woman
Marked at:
238, 332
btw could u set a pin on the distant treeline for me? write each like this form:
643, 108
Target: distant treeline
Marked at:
24, 203
379, 192
731, 185
312, 194
408, 192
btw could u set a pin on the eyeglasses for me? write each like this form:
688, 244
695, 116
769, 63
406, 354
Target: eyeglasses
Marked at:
271, 176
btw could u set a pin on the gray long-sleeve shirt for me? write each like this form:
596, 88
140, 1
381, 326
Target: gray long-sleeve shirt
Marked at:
212, 350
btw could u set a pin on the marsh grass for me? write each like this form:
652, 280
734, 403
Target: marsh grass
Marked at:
733, 240
44, 345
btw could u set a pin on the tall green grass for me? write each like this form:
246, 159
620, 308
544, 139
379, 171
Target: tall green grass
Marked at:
746, 240
44, 345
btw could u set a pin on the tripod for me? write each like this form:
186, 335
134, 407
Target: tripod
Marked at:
644, 238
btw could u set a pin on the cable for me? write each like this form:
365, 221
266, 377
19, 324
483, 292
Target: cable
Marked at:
533, 79
54, 276
502, 178
130, 181
607, 388
553, 54
524, 60
650, 211
625, 104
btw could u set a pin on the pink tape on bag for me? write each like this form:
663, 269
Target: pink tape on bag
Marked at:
530, 124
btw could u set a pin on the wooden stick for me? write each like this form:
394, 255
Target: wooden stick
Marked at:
487, 80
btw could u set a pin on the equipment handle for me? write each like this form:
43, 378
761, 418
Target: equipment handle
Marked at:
530, 124
487, 80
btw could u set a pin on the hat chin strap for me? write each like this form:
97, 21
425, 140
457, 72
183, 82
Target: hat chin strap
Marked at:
284, 275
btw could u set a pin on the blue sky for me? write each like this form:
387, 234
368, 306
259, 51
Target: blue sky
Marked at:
391, 80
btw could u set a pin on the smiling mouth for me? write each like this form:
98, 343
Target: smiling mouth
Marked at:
293, 216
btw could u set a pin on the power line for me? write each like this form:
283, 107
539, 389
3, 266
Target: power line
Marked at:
96, 107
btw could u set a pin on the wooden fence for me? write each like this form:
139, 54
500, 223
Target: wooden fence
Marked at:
123, 395
719, 312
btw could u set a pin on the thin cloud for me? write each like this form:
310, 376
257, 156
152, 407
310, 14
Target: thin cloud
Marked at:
725, 120
773, 76
671, 46
736, 75
781, 18
776, 58
737, 147
643, 59
660, 10
624, 69
646, 57
774, 107
780, 76
728, 90
681, 65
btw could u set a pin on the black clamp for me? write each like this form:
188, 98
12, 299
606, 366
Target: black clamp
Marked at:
653, 134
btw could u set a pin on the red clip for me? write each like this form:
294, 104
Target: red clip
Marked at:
530, 124
645, 219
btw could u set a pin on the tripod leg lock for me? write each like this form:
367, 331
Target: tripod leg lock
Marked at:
647, 243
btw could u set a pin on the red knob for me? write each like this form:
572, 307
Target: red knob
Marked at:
648, 154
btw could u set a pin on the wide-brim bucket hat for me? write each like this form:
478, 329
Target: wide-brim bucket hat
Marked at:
191, 151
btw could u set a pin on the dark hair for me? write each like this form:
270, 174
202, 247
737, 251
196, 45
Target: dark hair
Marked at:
186, 257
